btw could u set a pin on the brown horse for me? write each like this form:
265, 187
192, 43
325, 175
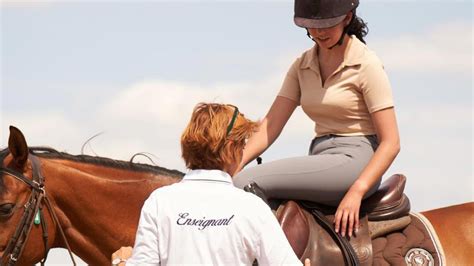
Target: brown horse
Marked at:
98, 201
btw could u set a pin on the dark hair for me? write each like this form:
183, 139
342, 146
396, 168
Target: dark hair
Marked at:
357, 27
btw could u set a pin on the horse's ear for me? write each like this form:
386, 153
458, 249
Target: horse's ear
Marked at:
17, 146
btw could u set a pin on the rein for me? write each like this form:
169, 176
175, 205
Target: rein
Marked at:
33, 214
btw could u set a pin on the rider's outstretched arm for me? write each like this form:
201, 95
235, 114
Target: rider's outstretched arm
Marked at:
270, 128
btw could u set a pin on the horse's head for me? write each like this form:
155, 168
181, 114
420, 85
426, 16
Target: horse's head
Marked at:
14, 196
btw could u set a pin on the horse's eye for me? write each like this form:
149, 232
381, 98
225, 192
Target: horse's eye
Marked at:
6, 209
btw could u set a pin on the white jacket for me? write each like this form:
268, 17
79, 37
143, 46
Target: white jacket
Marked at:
205, 220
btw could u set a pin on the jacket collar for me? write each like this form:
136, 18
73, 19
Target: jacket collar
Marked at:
207, 175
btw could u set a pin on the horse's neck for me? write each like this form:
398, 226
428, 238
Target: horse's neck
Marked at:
98, 206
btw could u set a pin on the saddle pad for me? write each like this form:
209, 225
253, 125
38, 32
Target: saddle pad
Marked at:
416, 244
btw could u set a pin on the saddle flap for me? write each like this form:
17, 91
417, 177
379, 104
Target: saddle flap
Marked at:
362, 243
295, 225
307, 238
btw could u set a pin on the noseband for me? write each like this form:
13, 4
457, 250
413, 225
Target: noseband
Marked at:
33, 207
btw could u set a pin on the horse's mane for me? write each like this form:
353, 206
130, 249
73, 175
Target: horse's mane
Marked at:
50, 153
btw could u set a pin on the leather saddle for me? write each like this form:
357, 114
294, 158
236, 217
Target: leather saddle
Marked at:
310, 230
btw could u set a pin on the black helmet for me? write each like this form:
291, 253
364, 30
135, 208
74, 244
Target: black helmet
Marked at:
322, 13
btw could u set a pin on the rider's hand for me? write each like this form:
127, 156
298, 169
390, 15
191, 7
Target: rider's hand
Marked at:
346, 219
120, 256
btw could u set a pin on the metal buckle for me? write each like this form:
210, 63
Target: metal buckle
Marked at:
39, 186
13, 258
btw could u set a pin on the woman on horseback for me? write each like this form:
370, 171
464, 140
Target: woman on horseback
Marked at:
342, 86
204, 219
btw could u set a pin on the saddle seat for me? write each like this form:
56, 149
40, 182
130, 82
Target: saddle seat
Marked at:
387, 203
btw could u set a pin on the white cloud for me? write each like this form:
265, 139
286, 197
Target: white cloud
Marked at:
444, 48
147, 116
155, 112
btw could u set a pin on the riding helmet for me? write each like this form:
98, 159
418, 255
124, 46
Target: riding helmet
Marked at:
322, 13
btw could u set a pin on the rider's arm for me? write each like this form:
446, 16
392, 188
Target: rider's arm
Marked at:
272, 124
375, 86
270, 128
377, 93
387, 133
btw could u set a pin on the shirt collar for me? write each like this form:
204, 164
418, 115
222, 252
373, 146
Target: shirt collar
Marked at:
353, 55
207, 175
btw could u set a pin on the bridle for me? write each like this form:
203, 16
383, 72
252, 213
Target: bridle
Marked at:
33, 214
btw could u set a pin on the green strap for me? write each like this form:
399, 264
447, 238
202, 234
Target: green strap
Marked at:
231, 125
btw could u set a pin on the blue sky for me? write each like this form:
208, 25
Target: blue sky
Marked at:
134, 70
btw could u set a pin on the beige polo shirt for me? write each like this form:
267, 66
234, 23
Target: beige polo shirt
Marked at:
358, 87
